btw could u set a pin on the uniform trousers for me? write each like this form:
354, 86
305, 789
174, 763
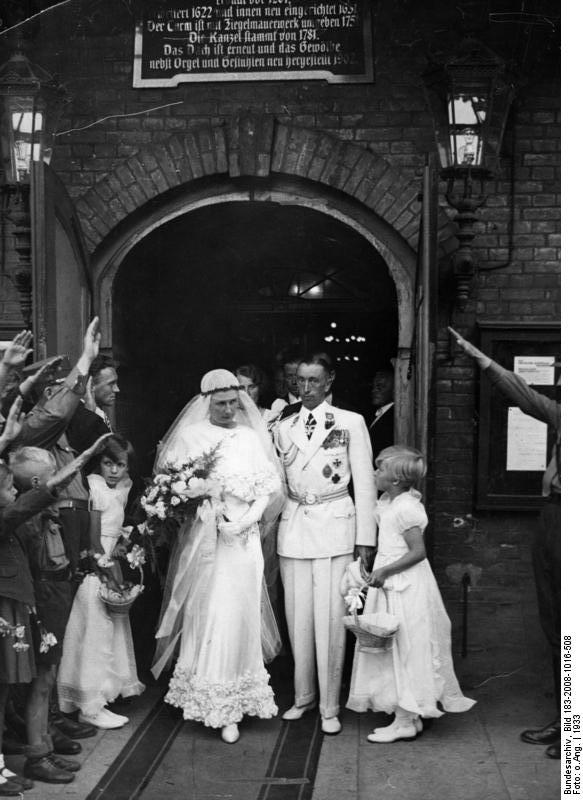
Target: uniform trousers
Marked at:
314, 608
546, 559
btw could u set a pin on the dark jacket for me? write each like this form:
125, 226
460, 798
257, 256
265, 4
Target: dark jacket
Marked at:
15, 576
85, 428
382, 431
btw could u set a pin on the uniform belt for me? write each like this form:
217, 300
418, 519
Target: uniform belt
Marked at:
312, 499
78, 505
54, 575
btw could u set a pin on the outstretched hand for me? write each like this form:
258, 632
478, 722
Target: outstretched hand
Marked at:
14, 420
92, 339
89, 398
18, 350
469, 349
66, 474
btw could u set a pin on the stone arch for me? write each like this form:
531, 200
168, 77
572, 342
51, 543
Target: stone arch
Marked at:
256, 146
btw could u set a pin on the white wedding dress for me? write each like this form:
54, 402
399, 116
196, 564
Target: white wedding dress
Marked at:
216, 591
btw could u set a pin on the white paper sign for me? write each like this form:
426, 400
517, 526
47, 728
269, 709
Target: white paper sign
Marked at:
538, 370
526, 446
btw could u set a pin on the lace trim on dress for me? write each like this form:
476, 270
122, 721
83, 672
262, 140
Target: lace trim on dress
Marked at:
249, 486
219, 704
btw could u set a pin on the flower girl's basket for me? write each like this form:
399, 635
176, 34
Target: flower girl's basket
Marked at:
119, 603
374, 631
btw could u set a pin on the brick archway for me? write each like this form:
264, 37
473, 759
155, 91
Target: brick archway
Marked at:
256, 146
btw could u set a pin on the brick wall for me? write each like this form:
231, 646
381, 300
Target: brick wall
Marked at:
518, 226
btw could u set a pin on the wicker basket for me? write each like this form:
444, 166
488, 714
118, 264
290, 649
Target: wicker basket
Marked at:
119, 607
374, 632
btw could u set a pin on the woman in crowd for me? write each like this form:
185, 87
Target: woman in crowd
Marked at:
213, 597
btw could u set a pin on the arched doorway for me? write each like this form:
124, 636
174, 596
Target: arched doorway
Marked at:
237, 282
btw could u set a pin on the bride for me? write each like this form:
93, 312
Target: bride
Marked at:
213, 600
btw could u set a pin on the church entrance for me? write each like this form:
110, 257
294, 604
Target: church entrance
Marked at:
236, 283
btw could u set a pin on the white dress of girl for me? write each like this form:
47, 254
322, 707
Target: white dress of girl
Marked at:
220, 675
417, 672
98, 661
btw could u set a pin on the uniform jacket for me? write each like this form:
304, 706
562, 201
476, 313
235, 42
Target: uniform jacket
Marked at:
338, 453
15, 577
46, 424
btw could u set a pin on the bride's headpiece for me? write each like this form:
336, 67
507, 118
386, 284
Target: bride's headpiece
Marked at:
218, 380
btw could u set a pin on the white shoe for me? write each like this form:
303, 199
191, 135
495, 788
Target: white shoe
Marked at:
230, 733
116, 717
393, 733
331, 725
297, 712
418, 722
102, 720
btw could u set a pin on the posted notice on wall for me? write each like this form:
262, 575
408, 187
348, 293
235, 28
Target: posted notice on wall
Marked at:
251, 40
526, 444
536, 370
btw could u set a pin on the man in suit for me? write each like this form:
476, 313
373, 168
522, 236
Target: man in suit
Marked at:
323, 449
381, 428
290, 369
91, 420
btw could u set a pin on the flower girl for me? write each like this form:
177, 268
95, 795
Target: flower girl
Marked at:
417, 673
98, 661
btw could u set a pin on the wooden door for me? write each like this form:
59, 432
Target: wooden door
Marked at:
60, 268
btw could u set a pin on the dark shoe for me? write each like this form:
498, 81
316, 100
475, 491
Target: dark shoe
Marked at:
64, 763
553, 750
63, 745
24, 783
43, 769
10, 789
70, 728
548, 735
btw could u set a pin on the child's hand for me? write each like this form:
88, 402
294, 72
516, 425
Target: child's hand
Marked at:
18, 350
378, 577
14, 421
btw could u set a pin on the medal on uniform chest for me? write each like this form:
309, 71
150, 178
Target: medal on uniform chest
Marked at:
335, 478
327, 471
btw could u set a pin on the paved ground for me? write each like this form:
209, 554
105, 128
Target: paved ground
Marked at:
473, 756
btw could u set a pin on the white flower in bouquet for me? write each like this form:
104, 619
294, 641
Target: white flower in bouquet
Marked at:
179, 487
175, 501
20, 631
160, 510
196, 487
47, 641
136, 557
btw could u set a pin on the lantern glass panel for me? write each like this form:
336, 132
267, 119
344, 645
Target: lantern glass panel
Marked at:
467, 116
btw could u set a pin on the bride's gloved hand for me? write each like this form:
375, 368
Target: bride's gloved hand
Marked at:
229, 529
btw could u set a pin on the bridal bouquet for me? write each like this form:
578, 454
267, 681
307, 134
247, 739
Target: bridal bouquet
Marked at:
179, 490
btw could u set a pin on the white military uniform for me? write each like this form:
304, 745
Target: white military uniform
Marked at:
320, 525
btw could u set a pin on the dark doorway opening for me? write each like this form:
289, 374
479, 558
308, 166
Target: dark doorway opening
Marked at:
239, 282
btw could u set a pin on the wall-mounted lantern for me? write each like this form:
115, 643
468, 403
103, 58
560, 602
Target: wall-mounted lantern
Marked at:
469, 97
31, 102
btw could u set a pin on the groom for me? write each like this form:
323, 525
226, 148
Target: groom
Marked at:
323, 450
